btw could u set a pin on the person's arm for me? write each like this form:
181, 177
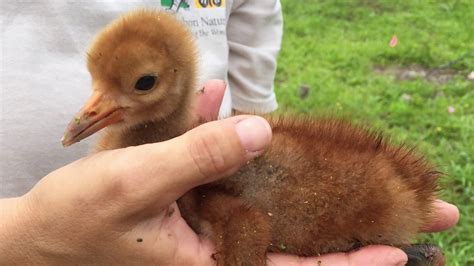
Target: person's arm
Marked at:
254, 33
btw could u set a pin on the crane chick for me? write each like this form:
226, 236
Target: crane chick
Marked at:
323, 186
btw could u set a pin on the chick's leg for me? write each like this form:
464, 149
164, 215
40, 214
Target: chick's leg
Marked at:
241, 233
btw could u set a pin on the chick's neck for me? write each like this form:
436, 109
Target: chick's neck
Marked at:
160, 130
173, 125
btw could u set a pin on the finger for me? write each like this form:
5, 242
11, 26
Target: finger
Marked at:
367, 256
209, 100
446, 216
162, 172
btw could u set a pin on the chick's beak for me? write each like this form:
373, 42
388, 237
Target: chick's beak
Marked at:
98, 112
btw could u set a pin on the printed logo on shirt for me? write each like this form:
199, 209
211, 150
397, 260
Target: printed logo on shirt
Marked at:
209, 3
205, 18
175, 5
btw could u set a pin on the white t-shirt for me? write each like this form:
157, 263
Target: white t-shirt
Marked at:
44, 80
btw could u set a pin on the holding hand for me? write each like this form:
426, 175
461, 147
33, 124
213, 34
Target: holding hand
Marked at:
118, 207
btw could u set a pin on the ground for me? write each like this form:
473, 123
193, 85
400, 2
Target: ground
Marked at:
336, 59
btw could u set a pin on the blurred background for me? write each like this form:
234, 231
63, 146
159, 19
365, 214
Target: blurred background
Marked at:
405, 67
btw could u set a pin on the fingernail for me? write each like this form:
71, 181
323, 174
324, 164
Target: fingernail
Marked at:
255, 133
442, 202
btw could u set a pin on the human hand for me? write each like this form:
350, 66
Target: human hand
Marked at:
118, 206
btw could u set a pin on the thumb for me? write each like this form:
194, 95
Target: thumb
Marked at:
169, 169
218, 149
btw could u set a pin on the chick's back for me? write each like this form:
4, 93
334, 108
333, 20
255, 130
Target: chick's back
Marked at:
326, 185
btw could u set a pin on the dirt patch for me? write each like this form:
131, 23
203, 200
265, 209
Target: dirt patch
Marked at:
438, 76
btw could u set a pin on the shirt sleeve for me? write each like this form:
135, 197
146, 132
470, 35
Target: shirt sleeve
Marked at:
254, 33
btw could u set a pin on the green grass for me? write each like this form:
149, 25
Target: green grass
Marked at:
334, 46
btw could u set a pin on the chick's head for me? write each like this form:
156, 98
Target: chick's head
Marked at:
143, 68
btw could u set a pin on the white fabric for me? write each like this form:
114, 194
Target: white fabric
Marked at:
44, 80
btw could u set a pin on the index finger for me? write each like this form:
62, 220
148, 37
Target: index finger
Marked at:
209, 100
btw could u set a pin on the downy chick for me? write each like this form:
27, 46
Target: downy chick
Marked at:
323, 186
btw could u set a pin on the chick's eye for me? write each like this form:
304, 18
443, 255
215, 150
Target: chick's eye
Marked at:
145, 83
